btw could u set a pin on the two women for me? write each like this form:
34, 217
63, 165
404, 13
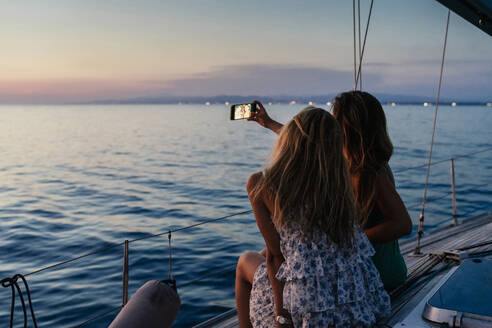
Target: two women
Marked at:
368, 149
318, 269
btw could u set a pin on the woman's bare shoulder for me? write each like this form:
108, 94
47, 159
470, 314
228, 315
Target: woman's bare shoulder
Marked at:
253, 180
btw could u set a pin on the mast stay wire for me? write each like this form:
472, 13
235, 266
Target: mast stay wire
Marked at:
359, 72
421, 219
360, 57
355, 41
358, 68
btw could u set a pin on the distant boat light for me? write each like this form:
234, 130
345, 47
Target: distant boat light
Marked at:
207, 103
293, 102
269, 103
328, 103
226, 103
393, 104
310, 103
453, 104
426, 104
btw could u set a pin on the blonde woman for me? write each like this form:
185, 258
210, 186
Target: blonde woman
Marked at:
318, 270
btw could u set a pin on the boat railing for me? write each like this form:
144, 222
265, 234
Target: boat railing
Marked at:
231, 268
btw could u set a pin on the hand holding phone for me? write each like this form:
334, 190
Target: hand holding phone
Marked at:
262, 118
243, 111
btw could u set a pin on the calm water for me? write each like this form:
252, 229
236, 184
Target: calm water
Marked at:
76, 178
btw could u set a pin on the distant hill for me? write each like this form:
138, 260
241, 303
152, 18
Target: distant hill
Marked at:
283, 99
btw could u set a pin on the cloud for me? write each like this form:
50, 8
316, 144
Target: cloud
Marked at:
70, 90
470, 80
266, 80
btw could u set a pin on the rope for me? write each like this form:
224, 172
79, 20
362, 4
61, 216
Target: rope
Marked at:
360, 61
12, 283
421, 219
355, 37
359, 73
420, 280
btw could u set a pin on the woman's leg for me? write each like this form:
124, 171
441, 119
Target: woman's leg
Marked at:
245, 272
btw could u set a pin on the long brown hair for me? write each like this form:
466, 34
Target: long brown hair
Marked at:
308, 179
367, 145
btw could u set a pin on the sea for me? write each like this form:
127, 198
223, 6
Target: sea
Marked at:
81, 178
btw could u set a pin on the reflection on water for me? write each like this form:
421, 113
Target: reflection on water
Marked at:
75, 178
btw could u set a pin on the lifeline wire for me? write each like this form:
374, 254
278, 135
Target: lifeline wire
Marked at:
443, 160
421, 219
103, 249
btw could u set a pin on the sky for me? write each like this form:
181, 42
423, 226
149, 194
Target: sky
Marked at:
88, 50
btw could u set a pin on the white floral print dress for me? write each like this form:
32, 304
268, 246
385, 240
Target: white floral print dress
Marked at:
325, 286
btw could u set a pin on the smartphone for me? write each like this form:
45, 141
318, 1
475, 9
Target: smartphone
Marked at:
243, 111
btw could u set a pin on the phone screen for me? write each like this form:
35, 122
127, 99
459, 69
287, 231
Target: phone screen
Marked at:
242, 111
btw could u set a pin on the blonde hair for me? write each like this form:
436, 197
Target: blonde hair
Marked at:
308, 179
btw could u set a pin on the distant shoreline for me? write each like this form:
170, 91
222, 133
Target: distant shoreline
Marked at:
324, 100
396, 104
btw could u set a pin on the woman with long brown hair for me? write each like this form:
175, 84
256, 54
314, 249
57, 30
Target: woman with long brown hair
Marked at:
368, 149
318, 270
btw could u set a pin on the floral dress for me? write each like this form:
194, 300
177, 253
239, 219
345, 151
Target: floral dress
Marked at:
325, 286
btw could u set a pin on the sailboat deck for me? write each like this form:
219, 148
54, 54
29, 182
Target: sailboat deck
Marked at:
425, 270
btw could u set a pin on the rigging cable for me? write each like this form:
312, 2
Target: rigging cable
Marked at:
359, 73
360, 57
355, 37
421, 219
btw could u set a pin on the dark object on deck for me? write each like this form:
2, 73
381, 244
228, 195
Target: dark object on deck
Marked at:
154, 305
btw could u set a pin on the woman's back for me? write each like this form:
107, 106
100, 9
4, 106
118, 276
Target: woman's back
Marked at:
325, 285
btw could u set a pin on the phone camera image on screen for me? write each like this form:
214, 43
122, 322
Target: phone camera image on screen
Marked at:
242, 111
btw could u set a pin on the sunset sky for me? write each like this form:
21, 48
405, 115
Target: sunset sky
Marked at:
86, 50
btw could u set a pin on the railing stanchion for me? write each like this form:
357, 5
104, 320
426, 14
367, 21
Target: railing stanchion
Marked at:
453, 193
125, 274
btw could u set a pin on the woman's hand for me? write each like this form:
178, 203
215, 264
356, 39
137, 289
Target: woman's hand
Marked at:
262, 118
288, 324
